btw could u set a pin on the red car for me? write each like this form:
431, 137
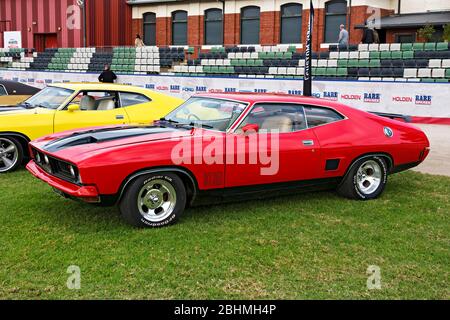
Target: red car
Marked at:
228, 146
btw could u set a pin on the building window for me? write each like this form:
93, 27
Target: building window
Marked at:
179, 27
335, 15
250, 25
213, 26
150, 28
291, 23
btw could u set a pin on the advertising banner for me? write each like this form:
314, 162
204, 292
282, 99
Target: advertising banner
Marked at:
12, 39
428, 100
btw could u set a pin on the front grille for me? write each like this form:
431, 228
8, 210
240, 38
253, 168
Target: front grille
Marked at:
56, 167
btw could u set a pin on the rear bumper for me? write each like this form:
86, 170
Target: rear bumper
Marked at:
85, 193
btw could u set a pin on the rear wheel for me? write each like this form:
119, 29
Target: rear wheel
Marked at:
11, 154
154, 200
366, 179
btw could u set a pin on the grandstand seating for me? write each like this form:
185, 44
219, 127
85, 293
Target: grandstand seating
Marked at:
427, 62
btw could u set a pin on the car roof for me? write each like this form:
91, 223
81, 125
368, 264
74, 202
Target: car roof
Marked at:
273, 97
98, 86
21, 88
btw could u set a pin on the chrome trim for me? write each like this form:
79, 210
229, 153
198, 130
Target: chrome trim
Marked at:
304, 113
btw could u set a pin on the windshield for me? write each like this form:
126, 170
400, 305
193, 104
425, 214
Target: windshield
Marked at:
50, 98
208, 112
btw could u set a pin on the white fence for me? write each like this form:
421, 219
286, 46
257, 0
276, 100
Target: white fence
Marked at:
429, 101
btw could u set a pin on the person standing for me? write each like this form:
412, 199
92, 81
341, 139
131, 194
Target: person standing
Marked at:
138, 41
343, 37
368, 36
107, 76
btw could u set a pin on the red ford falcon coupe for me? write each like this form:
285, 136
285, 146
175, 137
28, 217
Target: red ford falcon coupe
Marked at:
228, 146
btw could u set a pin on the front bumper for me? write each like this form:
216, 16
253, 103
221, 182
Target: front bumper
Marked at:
85, 193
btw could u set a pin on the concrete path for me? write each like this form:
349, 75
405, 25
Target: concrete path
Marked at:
438, 161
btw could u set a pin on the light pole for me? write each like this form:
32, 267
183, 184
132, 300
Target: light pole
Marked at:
82, 5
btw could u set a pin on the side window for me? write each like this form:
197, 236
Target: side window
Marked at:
276, 116
130, 99
97, 100
318, 116
2, 90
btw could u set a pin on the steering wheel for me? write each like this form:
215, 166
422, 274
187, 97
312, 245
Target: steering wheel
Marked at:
191, 115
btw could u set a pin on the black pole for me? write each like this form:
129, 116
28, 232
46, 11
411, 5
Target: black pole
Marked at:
84, 24
307, 77
223, 21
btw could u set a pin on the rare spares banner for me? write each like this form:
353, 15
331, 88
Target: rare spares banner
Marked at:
407, 98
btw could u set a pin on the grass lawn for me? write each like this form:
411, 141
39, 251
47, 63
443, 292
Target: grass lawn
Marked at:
307, 246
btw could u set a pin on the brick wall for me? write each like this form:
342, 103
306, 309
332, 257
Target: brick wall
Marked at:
269, 27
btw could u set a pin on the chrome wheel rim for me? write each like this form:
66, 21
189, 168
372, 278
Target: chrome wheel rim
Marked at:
369, 177
9, 154
156, 200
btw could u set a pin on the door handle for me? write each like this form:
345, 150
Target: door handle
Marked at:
308, 142
120, 117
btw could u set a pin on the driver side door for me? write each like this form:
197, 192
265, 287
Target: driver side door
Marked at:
92, 109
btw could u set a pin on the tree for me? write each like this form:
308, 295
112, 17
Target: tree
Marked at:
426, 32
446, 34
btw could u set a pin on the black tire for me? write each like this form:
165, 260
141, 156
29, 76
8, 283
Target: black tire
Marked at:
364, 186
153, 190
17, 159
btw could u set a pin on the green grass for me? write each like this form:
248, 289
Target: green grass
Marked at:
307, 246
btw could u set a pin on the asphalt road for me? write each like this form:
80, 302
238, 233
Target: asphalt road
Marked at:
438, 161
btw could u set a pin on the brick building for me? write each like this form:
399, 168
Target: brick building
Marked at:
270, 22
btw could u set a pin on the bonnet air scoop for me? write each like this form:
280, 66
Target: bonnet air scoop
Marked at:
102, 135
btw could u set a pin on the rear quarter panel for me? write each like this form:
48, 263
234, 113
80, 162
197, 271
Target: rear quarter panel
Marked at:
363, 133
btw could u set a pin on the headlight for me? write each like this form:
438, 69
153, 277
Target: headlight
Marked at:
46, 160
72, 171
38, 157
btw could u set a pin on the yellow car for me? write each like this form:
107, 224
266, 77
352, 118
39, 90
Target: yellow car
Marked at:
67, 106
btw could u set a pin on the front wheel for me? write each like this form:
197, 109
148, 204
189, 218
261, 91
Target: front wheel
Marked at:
154, 200
11, 154
366, 179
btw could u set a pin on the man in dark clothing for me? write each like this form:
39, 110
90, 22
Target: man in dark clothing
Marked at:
368, 36
107, 75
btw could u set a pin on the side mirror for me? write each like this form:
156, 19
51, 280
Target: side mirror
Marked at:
250, 128
73, 108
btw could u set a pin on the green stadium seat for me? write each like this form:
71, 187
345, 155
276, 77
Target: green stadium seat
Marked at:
386, 54
262, 55
427, 80
363, 63
214, 69
418, 46
207, 69
341, 72
270, 55
447, 73
442, 46
259, 63
408, 55
396, 55
374, 63
374, 55
441, 80
321, 71
406, 46
287, 55
352, 63
331, 72
342, 63
430, 46
250, 62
